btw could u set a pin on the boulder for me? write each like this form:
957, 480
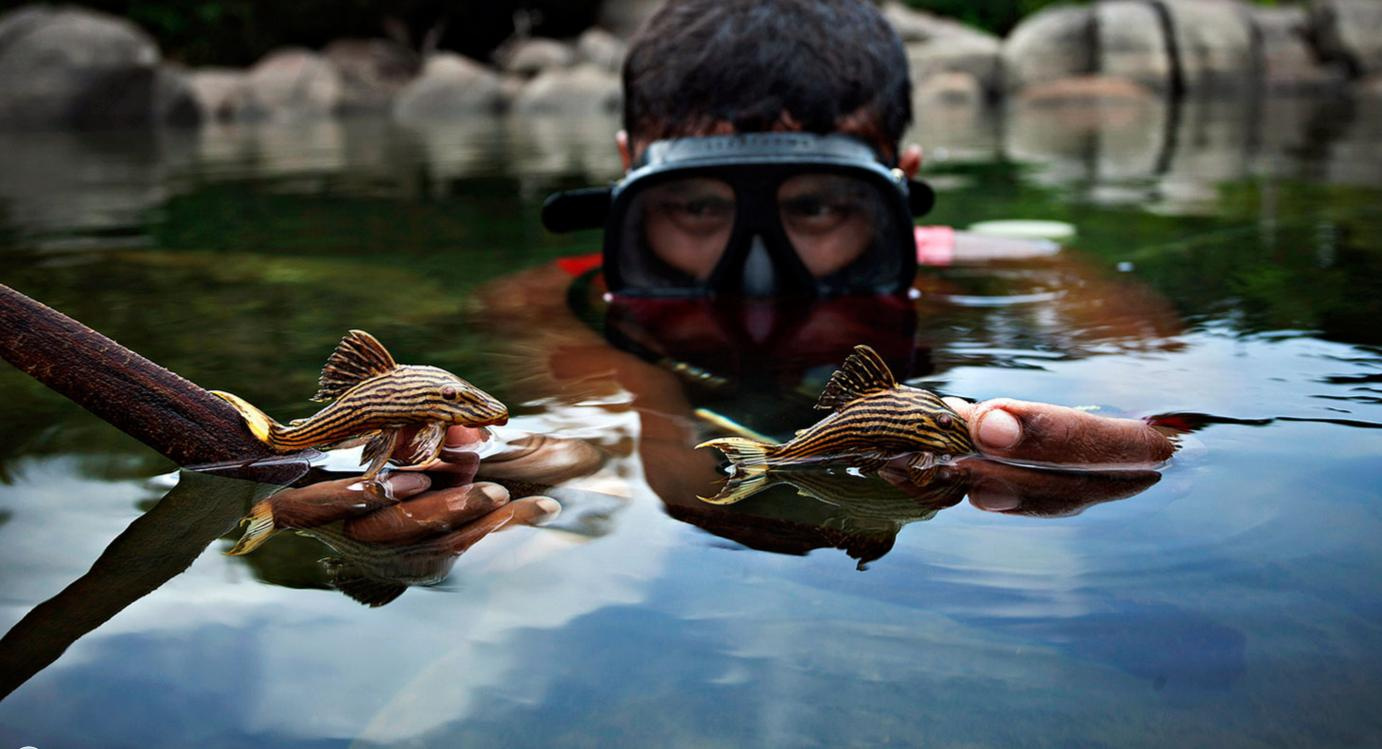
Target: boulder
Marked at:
1085, 90
1349, 32
530, 57
582, 90
73, 67
372, 72
974, 54
450, 86
920, 26
623, 17
220, 93
1214, 41
292, 84
1057, 42
1287, 62
951, 89
1131, 44
601, 49
175, 102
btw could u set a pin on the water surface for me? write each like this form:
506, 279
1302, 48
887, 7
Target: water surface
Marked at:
1227, 268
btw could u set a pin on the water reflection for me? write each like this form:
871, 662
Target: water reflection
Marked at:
156, 547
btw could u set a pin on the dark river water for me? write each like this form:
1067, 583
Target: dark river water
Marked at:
1225, 273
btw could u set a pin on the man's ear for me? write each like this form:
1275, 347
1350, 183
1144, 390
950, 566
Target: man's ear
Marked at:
621, 139
910, 161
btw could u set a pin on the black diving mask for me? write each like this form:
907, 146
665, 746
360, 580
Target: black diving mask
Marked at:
753, 215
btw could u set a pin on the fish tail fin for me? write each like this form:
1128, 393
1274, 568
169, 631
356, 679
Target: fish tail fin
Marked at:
740, 487
750, 461
261, 426
747, 455
261, 526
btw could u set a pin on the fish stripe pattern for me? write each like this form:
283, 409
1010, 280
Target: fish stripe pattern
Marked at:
874, 419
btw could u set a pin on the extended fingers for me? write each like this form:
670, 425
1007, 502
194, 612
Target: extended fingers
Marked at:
430, 514
1043, 433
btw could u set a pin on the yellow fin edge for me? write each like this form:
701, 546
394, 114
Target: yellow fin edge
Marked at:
261, 426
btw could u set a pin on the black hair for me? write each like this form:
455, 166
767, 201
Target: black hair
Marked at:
811, 64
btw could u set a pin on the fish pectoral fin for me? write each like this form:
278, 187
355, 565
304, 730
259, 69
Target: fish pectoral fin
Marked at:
358, 357
863, 373
426, 446
362, 588
377, 452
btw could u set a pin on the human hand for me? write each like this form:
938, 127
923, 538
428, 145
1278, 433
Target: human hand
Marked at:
1116, 458
405, 506
1044, 434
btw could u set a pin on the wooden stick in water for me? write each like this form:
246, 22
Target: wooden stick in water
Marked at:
172, 415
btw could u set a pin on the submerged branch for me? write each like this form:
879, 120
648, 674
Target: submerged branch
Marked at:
167, 412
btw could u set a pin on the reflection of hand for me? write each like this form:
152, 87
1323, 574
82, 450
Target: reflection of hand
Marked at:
1042, 433
406, 506
1015, 490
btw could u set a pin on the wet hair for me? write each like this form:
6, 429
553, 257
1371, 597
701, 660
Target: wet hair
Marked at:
813, 65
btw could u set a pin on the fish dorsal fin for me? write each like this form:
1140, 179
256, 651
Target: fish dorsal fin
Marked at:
358, 357
863, 373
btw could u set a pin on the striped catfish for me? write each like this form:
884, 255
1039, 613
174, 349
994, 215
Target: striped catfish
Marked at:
874, 419
372, 398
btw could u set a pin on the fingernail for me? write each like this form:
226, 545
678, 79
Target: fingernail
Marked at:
995, 497
551, 508
494, 492
405, 483
459, 435
999, 430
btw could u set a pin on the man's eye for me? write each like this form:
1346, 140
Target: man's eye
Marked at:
704, 208
818, 213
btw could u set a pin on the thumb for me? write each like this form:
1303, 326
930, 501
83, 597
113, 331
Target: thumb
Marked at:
1043, 433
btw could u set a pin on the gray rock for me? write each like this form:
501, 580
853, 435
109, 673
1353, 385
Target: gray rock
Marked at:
75, 67
920, 26
1287, 63
1057, 42
450, 86
530, 57
1349, 32
175, 102
951, 89
292, 84
1131, 44
372, 72
582, 90
1084, 91
976, 55
1214, 41
221, 93
602, 49
623, 17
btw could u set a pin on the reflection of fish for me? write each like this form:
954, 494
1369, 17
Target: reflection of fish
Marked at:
372, 398
874, 419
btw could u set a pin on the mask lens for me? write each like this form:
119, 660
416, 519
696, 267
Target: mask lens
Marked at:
829, 220
678, 230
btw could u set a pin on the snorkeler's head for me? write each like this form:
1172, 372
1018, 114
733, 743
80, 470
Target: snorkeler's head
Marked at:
716, 67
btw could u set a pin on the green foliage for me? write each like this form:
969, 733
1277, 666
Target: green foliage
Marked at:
239, 32
995, 16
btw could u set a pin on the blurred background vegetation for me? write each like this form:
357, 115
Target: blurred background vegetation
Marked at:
239, 32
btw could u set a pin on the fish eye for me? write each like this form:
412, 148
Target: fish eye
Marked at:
449, 392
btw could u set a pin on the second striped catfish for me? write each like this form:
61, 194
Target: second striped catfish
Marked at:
372, 398
873, 419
